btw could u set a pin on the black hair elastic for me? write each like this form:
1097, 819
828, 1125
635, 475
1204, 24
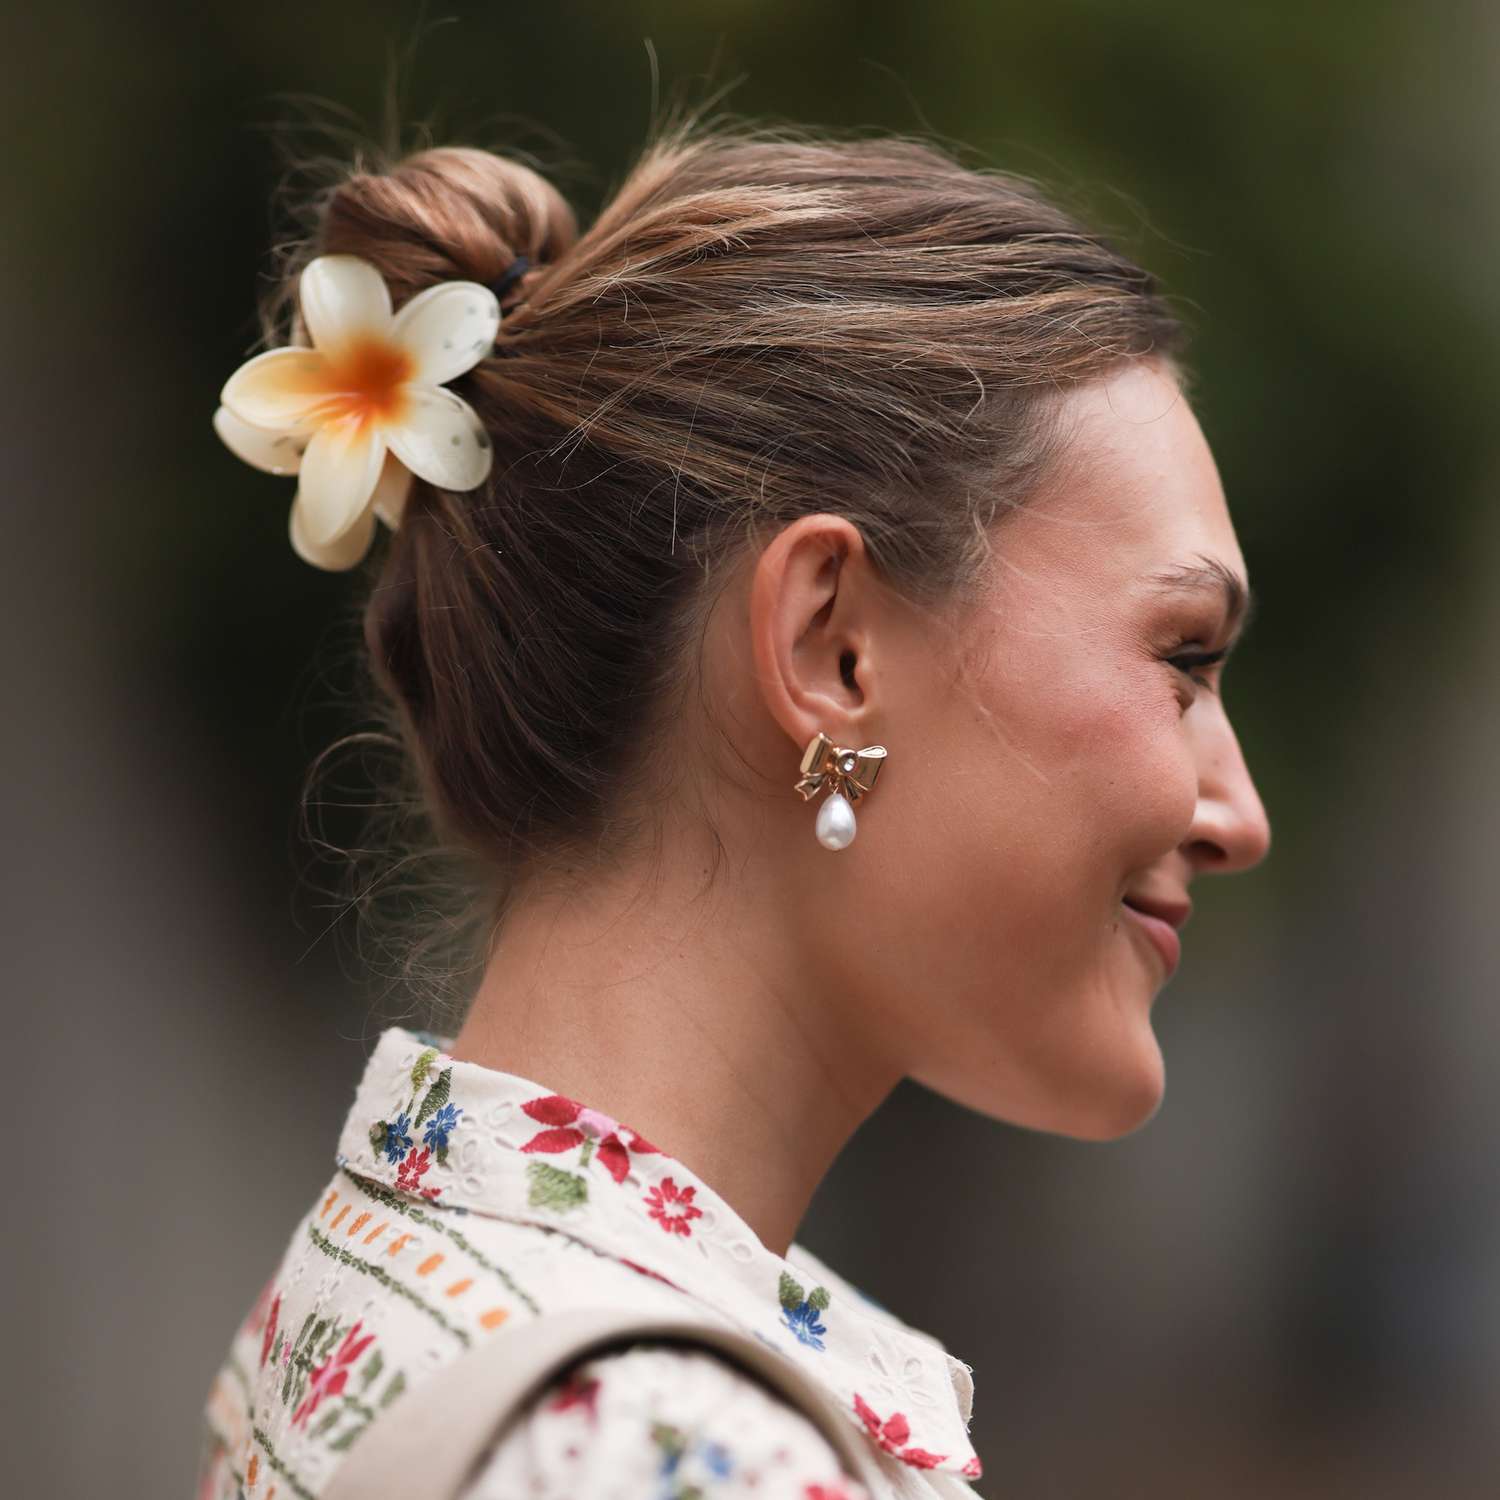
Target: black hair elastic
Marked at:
510, 276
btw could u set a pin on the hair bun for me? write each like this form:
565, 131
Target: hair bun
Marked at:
450, 212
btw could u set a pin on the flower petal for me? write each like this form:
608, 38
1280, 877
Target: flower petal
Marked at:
612, 1156
442, 439
278, 452
448, 329
339, 470
341, 297
338, 555
279, 389
391, 491
554, 1109
564, 1138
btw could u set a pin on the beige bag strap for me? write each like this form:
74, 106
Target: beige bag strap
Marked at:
430, 1441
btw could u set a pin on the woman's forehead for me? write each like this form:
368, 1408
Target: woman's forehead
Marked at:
1137, 485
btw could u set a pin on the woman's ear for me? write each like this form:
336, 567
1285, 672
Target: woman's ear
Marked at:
811, 628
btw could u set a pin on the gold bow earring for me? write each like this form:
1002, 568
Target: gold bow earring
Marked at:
848, 775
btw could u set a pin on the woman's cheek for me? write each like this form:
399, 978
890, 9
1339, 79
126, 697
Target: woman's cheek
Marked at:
1165, 789
1140, 762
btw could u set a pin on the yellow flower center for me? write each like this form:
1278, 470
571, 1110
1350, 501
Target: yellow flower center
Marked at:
366, 382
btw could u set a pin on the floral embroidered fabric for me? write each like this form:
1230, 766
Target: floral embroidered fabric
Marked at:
466, 1199
668, 1422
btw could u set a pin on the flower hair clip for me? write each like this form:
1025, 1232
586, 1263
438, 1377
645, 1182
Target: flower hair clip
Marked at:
364, 409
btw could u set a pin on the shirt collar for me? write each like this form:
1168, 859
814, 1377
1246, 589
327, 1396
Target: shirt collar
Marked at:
476, 1139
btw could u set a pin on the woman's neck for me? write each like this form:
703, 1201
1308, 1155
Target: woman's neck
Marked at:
687, 1014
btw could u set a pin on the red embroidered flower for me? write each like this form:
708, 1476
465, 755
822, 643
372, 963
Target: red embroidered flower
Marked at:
920, 1458
668, 1194
576, 1391
892, 1435
409, 1176
328, 1378
834, 1491
973, 1468
270, 1333
572, 1124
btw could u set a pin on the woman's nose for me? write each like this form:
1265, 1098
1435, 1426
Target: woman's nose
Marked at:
1230, 830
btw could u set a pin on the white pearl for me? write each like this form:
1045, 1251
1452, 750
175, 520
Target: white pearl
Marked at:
835, 822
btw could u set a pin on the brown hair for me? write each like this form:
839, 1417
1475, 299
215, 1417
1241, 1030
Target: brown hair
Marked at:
761, 323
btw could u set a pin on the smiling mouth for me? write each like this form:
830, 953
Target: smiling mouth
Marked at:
1161, 934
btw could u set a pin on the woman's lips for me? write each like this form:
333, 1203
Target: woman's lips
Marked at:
1162, 934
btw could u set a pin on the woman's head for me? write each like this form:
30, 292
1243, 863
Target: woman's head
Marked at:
1059, 747
810, 434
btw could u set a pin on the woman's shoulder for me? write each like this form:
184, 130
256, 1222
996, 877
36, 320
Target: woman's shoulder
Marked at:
362, 1307
377, 1290
662, 1420
374, 1291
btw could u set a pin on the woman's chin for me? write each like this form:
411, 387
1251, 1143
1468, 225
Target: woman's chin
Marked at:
1121, 1100
1104, 1096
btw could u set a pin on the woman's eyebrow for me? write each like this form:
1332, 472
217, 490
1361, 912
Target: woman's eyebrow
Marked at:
1214, 577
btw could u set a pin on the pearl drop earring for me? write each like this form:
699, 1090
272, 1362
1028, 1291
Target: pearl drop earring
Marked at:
848, 775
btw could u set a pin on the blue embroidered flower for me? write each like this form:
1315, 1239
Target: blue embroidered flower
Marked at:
674, 1448
718, 1458
803, 1321
438, 1127
799, 1310
397, 1141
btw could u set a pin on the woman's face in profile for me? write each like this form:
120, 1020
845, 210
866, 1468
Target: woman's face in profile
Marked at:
1079, 756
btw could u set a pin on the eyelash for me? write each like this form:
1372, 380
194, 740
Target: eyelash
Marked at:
1184, 663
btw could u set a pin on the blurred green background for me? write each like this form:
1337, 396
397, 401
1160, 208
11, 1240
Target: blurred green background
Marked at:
1286, 1284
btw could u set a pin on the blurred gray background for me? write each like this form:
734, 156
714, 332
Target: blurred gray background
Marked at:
1286, 1284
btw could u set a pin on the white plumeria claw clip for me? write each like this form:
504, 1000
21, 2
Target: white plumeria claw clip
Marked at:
365, 408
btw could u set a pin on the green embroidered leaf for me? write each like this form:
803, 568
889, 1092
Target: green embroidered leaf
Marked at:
291, 1364
789, 1291
668, 1438
442, 1154
420, 1067
437, 1097
307, 1323
377, 1135
551, 1187
394, 1389
819, 1298
344, 1439
319, 1329
328, 1422
372, 1367
335, 1333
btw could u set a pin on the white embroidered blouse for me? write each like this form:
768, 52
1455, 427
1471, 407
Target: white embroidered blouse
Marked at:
467, 1200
